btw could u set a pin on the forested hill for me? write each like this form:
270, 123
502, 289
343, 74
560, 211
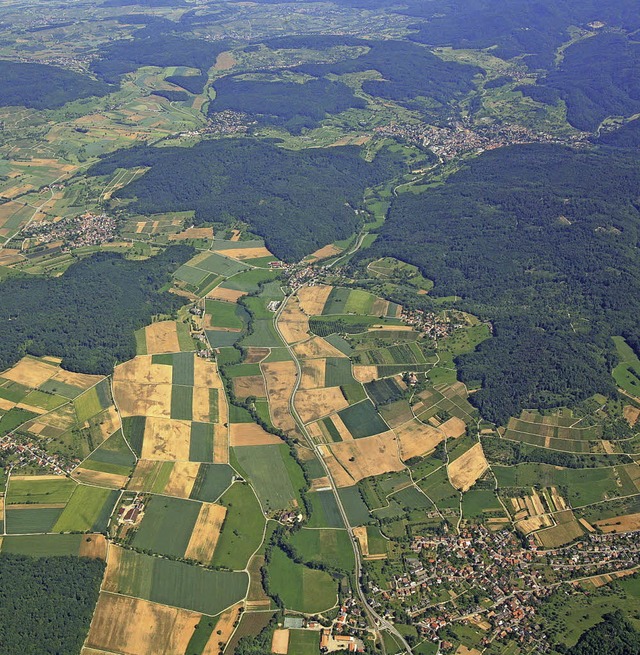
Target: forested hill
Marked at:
297, 200
542, 240
614, 635
88, 315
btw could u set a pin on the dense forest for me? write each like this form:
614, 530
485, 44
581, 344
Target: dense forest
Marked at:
289, 104
542, 240
88, 315
598, 77
38, 86
409, 71
614, 635
120, 57
628, 136
296, 200
191, 83
47, 603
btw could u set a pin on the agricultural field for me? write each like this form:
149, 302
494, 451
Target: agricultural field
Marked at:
331, 548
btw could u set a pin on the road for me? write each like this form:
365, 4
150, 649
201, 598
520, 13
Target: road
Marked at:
379, 622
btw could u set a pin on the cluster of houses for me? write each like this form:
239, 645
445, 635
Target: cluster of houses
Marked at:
85, 230
28, 453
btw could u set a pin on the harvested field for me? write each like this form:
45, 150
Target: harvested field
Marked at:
166, 439
371, 456
228, 295
313, 404
81, 380
200, 410
559, 535
313, 374
205, 374
220, 444
293, 322
361, 535
162, 337
99, 478
30, 372
250, 385
280, 378
341, 427
632, 414
142, 370
417, 439
182, 478
280, 642
206, 532
465, 470
193, 233
141, 479
255, 355
224, 630
316, 347
143, 399
94, 546
109, 422
313, 299
246, 253
365, 373
534, 523
454, 427
324, 252
625, 523
251, 434
138, 627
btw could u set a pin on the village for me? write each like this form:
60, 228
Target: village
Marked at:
491, 580
23, 452
73, 232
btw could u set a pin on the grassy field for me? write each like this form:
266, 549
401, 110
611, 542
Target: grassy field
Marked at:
113, 450
133, 429
301, 589
627, 373
223, 314
304, 642
201, 444
182, 402
87, 511
167, 525
87, 405
211, 481
329, 547
242, 529
324, 510
31, 521
354, 506
275, 475
47, 545
362, 420
178, 584
249, 281
35, 490
182, 369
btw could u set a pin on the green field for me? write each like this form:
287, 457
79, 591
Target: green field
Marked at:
627, 373
201, 444
88, 510
338, 372
211, 481
224, 314
179, 584
362, 420
87, 405
12, 419
355, 508
476, 503
113, 451
181, 402
47, 401
167, 525
263, 334
329, 547
221, 265
275, 475
28, 521
43, 545
324, 510
300, 588
349, 301
242, 529
304, 642
250, 281
133, 429
38, 491
182, 369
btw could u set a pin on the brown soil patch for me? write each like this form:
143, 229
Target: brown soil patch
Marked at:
293, 322
316, 347
255, 355
166, 439
31, 408
39, 477
322, 253
228, 295
30, 372
625, 523
111, 480
313, 404
280, 378
81, 380
632, 414
417, 439
465, 470
313, 374
313, 299
138, 627
463, 650
206, 532
246, 253
224, 630
320, 483
224, 61
94, 546
200, 410
182, 478
454, 427
251, 434
193, 233
162, 337
365, 373
220, 444
360, 534
250, 385
608, 447
280, 642
371, 456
